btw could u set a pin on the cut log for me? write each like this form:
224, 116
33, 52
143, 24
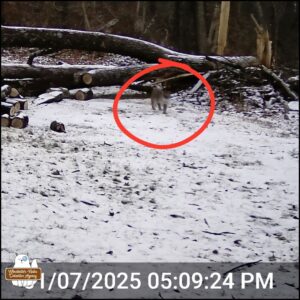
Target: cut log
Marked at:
112, 76
73, 93
19, 121
84, 94
96, 41
5, 91
42, 52
57, 126
28, 86
7, 108
14, 93
23, 104
15, 103
5, 120
51, 97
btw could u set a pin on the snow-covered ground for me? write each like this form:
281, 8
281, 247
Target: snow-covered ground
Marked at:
92, 194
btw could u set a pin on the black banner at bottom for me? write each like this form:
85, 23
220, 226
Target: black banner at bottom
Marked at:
152, 281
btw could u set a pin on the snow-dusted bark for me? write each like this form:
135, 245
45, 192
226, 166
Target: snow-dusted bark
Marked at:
98, 41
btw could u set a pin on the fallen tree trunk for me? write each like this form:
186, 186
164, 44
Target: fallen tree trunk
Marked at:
41, 78
58, 74
115, 75
119, 75
98, 41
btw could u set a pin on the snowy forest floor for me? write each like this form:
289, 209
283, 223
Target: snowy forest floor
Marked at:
92, 194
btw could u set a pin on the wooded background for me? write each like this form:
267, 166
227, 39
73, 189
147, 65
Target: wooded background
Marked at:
186, 26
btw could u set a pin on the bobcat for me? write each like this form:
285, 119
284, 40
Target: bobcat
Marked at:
160, 97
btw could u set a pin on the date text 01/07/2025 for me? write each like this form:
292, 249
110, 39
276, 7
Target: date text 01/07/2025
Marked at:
154, 280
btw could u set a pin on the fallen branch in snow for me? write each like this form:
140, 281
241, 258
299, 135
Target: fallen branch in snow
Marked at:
282, 85
89, 203
218, 233
257, 217
235, 269
39, 53
192, 167
177, 216
199, 83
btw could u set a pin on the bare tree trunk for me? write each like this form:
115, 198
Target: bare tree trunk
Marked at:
85, 16
279, 9
140, 23
223, 27
213, 33
201, 27
263, 44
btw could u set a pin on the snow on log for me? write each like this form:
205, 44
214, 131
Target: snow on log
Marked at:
15, 103
45, 98
5, 120
65, 91
7, 108
294, 105
97, 41
5, 91
19, 121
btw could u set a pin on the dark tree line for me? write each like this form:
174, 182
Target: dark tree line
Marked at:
186, 26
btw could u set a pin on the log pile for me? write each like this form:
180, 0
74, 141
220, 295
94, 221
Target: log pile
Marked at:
12, 108
52, 83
